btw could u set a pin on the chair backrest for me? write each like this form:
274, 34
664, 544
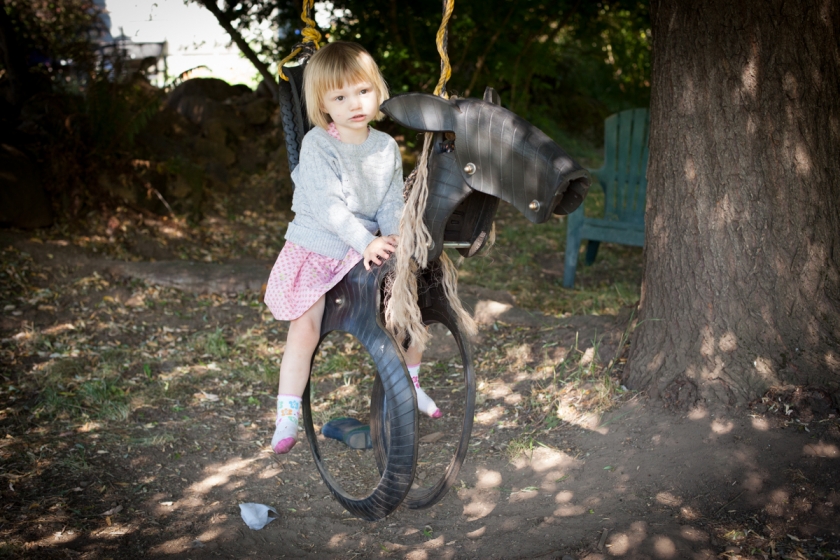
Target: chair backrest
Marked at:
624, 174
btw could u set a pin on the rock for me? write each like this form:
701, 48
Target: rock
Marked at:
169, 122
160, 146
264, 90
242, 89
207, 88
216, 131
199, 110
214, 152
258, 112
23, 200
251, 157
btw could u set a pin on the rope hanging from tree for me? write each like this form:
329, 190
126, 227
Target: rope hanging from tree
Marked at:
310, 34
402, 313
442, 42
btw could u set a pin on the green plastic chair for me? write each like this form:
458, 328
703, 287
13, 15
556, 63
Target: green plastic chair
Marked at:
623, 177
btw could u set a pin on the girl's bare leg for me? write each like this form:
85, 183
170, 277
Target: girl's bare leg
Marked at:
425, 404
304, 333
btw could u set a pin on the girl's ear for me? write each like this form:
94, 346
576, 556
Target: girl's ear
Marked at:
421, 111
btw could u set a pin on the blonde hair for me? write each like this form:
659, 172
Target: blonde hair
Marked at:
334, 66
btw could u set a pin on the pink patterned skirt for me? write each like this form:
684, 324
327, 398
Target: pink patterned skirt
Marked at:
300, 277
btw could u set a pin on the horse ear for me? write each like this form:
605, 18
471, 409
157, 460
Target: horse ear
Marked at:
492, 96
421, 111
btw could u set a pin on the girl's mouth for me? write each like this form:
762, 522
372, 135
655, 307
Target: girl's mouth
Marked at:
358, 117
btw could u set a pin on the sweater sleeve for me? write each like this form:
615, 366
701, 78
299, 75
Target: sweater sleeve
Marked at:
389, 213
320, 183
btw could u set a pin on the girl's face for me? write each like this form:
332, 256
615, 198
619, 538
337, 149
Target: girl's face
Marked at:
352, 107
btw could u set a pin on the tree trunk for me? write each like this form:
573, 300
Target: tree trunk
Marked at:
741, 288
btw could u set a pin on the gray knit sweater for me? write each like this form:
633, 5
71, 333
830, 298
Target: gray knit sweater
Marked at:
344, 193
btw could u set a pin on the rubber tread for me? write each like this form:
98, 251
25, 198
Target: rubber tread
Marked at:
293, 113
352, 306
437, 312
290, 131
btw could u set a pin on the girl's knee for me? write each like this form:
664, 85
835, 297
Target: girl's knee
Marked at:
303, 328
307, 328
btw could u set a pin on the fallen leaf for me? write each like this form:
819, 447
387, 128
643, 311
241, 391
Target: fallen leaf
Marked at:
112, 511
137, 300
431, 438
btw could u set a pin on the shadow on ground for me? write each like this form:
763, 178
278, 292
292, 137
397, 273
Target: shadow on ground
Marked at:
173, 395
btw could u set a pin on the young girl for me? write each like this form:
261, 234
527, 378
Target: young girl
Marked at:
348, 186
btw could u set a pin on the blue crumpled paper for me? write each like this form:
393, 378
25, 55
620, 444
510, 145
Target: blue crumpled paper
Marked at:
256, 516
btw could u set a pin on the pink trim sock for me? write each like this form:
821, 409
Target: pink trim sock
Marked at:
425, 404
286, 425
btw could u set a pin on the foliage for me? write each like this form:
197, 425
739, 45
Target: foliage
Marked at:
75, 136
562, 65
54, 36
69, 108
116, 112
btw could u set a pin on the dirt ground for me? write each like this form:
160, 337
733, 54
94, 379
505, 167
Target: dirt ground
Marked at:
571, 468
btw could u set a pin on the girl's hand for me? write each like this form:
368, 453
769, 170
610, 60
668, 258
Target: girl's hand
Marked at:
379, 250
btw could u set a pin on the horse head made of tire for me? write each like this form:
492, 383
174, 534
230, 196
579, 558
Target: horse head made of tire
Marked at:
484, 153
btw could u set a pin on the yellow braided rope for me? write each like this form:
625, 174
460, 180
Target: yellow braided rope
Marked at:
445, 68
310, 34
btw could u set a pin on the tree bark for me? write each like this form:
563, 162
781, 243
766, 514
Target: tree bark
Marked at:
741, 289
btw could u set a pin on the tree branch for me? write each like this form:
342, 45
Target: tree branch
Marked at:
531, 39
242, 44
483, 56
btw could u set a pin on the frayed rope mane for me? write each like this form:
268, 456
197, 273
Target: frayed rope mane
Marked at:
402, 314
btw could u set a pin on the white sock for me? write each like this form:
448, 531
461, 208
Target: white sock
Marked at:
424, 402
286, 426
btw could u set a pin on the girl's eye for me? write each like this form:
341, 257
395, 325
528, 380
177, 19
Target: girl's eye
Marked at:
340, 98
364, 91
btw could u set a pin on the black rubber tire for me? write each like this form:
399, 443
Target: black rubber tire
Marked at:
292, 132
420, 498
352, 307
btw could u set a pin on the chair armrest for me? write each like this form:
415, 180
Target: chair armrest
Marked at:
596, 184
597, 172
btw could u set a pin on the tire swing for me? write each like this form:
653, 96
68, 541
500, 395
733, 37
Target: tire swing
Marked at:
355, 306
460, 195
